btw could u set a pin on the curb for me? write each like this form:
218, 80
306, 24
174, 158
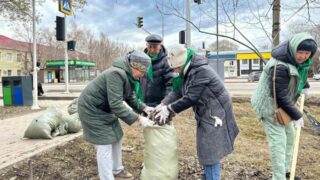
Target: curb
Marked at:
54, 97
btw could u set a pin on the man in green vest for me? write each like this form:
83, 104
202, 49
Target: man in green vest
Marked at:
290, 63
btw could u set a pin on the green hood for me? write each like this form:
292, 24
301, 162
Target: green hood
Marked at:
295, 41
122, 63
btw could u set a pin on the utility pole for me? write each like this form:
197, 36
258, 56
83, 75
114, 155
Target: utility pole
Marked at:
162, 28
276, 22
188, 33
66, 65
217, 16
35, 73
162, 24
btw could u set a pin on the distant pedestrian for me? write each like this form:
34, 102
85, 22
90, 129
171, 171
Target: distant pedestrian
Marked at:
156, 83
101, 105
198, 86
288, 71
39, 85
40, 89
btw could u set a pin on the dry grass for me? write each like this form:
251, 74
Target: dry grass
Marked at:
250, 159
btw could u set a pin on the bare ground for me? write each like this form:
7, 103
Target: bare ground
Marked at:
250, 160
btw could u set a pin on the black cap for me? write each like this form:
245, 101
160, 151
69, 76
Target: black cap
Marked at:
308, 45
154, 39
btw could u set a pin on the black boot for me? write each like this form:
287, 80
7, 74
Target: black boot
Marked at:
295, 177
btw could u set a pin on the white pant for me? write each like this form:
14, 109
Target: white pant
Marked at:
109, 160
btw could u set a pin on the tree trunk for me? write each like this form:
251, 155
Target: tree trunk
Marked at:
276, 22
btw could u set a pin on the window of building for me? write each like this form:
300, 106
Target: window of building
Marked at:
9, 57
244, 62
9, 72
255, 61
0, 72
19, 72
19, 57
231, 63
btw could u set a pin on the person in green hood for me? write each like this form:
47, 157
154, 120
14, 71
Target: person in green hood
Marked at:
101, 104
292, 60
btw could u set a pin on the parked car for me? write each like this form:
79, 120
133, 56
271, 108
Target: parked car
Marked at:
316, 76
254, 76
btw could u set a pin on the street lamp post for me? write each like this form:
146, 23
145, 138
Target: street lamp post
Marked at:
66, 67
188, 33
34, 52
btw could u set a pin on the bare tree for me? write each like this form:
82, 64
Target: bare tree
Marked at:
224, 45
174, 11
275, 22
21, 10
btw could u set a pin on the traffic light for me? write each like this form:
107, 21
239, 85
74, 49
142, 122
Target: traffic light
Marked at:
140, 21
71, 45
198, 1
182, 37
60, 29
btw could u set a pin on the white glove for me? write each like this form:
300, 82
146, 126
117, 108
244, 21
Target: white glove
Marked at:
148, 110
218, 121
158, 108
145, 122
298, 123
305, 91
163, 113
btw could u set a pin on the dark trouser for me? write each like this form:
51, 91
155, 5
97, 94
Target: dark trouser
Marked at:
40, 90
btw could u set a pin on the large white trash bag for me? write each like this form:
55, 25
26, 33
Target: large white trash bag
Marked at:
43, 126
160, 153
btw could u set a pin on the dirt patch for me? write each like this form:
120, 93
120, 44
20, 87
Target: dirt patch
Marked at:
250, 160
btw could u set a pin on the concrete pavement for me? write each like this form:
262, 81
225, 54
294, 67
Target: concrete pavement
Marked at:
15, 148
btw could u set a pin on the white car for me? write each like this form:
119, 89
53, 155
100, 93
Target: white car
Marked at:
316, 76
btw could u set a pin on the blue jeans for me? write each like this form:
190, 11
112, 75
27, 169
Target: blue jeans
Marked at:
212, 172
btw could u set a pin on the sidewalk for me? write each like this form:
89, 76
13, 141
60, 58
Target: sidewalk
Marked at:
15, 148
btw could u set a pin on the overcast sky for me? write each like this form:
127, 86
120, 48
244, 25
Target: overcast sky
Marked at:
117, 19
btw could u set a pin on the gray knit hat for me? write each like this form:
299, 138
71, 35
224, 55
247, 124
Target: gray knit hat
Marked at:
139, 60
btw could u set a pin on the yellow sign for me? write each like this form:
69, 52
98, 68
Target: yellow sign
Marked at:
244, 56
65, 6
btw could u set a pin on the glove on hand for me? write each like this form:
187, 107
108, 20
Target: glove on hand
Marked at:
163, 113
298, 123
158, 108
145, 122
217, 121
148, 110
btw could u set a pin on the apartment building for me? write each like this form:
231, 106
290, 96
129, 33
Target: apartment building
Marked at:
15, 57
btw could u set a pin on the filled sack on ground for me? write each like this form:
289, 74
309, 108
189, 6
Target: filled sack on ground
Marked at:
160, 153
73, 121
61, 130
73, 107
42, 126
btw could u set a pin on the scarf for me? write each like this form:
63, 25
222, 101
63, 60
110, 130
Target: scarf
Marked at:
137, 87
303, 73
177, 82
149, 71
